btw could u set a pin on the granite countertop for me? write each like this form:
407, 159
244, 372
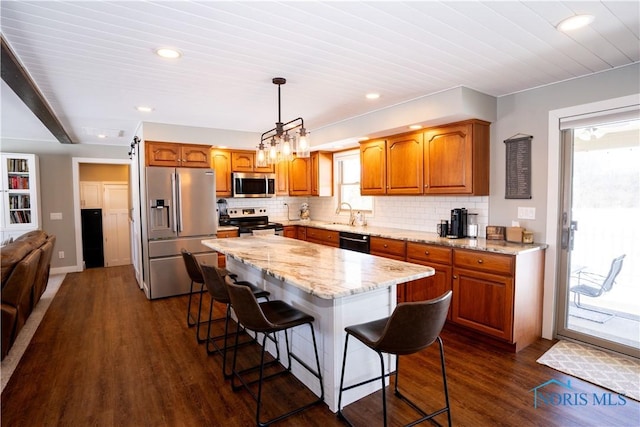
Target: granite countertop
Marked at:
319, 270
498, 246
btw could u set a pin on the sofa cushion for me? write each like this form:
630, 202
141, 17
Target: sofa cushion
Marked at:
12, 254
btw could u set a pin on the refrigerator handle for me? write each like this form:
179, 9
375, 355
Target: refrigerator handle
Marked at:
174, 213
179, 189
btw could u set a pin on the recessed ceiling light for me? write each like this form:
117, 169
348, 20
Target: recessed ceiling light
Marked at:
168, 52
575, 22
144, 109
373, 95
102, 135
414, 127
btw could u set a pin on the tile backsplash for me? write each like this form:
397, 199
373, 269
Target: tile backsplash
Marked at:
407, 212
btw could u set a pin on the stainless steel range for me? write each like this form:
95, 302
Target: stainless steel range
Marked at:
249, 219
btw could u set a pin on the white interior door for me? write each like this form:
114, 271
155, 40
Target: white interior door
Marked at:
117, 249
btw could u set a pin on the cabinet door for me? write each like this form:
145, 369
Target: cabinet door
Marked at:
290, 231
242, 161
195, 156
221, 163
373, 173
322, 236
90, 195
483, 302
163, 154
282, 178
300, 177
321, 173
404, 164
222, 258
456, 159
302, 233
432, 286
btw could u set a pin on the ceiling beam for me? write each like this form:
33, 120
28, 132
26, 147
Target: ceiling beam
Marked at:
14, 74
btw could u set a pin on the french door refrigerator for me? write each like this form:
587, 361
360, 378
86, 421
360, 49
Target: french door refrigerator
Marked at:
181, 211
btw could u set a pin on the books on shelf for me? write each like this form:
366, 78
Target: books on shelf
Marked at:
20, 217
18, 182
18, 165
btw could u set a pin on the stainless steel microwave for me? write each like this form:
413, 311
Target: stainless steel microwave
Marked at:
253, 184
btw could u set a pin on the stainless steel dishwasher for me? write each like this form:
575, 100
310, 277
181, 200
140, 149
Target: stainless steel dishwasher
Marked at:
354, 242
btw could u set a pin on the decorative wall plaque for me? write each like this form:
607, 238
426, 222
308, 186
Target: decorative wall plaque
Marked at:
518, 163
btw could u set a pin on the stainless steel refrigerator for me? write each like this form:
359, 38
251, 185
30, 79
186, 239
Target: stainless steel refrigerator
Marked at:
181, 211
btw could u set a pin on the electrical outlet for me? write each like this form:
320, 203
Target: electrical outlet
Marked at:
60, 254
526, 213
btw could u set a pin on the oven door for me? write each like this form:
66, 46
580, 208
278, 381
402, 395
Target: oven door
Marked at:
253, 184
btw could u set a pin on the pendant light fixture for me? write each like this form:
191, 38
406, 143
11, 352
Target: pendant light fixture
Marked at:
280, 143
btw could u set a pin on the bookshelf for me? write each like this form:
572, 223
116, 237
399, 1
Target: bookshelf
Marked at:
19, 210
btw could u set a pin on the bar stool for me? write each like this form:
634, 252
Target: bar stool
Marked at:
411, 327
195, 274
214, 280
268, 318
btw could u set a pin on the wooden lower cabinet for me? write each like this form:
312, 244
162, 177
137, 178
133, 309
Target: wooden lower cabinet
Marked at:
437, 257
394, 249
222, 259
499, 295
290, 231
324, 237
302, 233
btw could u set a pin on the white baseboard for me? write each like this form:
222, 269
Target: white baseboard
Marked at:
64, 270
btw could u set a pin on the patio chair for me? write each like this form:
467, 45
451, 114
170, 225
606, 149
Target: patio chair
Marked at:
594, 285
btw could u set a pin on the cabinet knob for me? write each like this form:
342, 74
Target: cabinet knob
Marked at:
455, 277
426, 252
480, 261
426, 185
385, 245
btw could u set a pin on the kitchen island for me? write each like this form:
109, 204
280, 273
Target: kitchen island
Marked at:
338, 287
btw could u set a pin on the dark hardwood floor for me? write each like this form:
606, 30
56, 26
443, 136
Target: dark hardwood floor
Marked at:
106, 356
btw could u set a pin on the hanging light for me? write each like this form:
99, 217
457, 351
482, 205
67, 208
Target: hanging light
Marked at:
283, 139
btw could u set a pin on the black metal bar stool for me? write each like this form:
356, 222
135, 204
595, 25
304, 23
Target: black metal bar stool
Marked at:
195, 274
214, 280
269, 318
411, 327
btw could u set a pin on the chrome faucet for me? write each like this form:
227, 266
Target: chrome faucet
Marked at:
352, 218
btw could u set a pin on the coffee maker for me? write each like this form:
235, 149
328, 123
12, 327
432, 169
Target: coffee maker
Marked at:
458, 227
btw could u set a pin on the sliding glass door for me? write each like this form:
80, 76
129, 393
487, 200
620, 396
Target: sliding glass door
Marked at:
599, 289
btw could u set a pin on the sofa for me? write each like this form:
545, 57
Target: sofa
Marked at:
25, 272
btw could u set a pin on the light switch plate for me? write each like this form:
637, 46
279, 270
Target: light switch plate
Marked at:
55, 215
526, 213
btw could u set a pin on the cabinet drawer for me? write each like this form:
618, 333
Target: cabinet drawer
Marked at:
390, 248
227, 233
327, 237
484, 261
429, 253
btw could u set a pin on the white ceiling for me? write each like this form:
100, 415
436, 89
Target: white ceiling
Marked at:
94, 61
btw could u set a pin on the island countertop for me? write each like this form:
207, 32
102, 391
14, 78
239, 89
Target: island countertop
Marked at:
319, 270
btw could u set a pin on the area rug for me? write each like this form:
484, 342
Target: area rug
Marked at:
616, 373
23, 339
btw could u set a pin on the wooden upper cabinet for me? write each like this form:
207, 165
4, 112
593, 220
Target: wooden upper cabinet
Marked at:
177, 155
456, 159
163, 154
282, 179
404, 164
300, 176
244, 161
373, 173
221, 163
321, 173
